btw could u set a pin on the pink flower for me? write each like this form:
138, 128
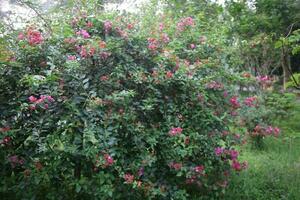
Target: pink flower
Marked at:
269, 130
130, 26
129, 178
169, 74
165, 38
104, 78
32, 99
83, 52
234, 154
152, 44
32, 107
71, 57
236, 165
21, 36
34, 37
276, 131
89, 24
161, 27
185, 22
176, 166
219, 151
199, 169
108, 160
104, 55
234, 102
107, 26
92, 51
83, 33
175, 131
215, 85
192, 46
250, 101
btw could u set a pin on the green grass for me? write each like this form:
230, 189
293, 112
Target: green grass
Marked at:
274, 172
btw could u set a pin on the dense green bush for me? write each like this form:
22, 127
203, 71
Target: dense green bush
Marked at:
104, 110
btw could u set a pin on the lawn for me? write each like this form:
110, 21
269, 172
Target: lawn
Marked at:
274, 172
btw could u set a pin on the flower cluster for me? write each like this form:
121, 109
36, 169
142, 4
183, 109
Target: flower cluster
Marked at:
251, 101
185, 22
265, 131
43, 100
152, 44
233, 156
83, 33
33, 37
234, 102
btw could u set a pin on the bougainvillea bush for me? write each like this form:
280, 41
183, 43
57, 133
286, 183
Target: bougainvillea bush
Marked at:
105, 110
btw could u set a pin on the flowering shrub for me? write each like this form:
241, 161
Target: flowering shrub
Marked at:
127, 115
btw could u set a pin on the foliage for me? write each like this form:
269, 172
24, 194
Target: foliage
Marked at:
98, 109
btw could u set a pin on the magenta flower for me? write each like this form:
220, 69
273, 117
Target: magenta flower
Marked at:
219, 151
234, 154
236, 165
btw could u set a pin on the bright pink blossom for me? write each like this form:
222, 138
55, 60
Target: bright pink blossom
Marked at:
175, 131
32, 99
